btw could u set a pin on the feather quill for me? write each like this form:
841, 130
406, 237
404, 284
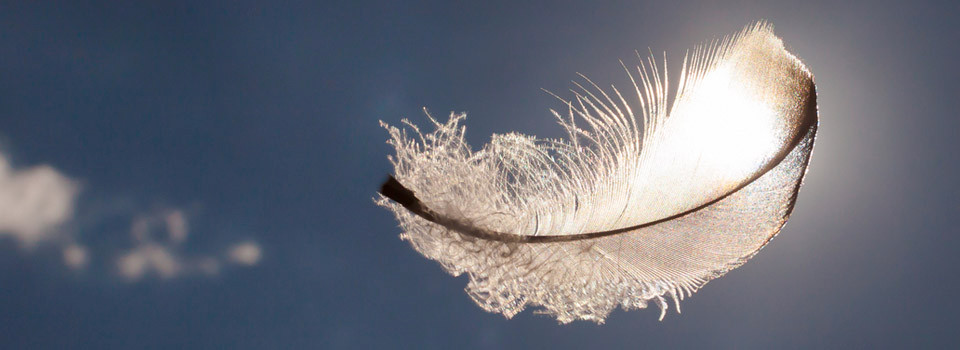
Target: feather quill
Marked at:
642, 201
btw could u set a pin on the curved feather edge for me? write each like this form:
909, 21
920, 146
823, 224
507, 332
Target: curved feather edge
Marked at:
599, 180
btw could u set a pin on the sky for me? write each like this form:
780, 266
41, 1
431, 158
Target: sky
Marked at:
202, 174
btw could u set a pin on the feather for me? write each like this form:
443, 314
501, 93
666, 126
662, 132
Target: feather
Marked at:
642, 201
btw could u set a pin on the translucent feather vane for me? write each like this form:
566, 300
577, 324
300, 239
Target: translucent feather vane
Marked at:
646, 199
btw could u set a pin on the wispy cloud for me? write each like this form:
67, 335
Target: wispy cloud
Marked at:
246, 253
158, 250
37, 202
75, 256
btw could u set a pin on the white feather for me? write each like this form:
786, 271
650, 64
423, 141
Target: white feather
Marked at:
642, 201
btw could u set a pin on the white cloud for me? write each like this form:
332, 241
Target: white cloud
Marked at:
34, 202
75, 256
246, 253
177, 225
161, 254
146, 258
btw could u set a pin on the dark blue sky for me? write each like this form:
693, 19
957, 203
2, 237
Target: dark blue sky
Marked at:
260, 122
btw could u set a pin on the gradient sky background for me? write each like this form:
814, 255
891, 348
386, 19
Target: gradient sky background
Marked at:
258, 123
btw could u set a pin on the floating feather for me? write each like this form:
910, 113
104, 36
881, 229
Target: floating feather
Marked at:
642, 202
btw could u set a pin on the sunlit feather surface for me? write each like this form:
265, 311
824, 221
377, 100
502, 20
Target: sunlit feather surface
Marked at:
674, 194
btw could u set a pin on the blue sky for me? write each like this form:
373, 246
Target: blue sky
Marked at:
221, 159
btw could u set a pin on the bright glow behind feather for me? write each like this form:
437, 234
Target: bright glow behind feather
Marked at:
640, 202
